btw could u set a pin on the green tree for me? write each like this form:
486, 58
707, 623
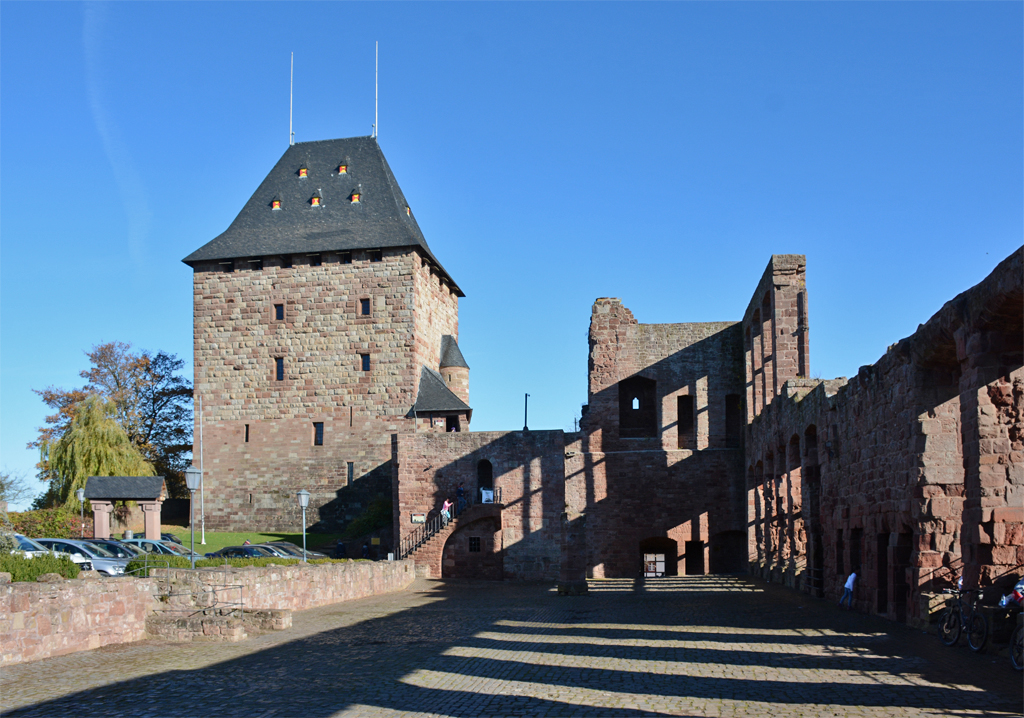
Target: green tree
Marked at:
93, 445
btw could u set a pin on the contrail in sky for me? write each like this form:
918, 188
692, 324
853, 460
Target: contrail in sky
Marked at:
129, 182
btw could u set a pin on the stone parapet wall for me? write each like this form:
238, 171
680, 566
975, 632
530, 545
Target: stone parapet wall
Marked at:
293, 587
40, 620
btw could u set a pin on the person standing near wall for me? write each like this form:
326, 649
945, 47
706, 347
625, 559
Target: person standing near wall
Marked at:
848, 590
446, 511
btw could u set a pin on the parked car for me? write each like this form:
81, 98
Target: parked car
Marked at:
295, 551
29, 548
241, 552
121, 550
274, 550
159, 548
172, 538
99, 558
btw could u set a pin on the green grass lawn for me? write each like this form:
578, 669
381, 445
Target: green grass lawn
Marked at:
216, 540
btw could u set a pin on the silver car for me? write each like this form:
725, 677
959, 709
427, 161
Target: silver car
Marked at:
102, 560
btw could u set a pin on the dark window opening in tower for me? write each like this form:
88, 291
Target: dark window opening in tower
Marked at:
733, 421
638, 415
364, 307
345, 258
279, 312
451, 423
364, 360
684, 422
376, 255
484, 475
279, 368
315, 260
318, 433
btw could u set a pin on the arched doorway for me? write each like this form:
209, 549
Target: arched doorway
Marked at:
658, 557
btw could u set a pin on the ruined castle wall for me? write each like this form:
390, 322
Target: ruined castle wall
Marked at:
668, 468
237, 338
910, 471
528, 471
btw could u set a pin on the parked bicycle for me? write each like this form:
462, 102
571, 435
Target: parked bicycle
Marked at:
964, 615
1015, 600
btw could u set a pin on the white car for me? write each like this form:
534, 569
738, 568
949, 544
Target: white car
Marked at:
29, 548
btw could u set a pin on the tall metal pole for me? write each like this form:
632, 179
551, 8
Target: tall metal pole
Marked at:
291, 94
303, 533
526, 413
202, 494
376, 70
192, 525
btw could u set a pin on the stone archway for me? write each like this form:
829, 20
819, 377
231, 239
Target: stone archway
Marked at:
659, 555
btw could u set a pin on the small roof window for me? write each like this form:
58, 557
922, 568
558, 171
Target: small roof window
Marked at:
343, 167
275, 203
408, 212
303, 172
356, 196
316, 200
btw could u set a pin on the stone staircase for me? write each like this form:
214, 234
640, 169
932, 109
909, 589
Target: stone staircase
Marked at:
424, 546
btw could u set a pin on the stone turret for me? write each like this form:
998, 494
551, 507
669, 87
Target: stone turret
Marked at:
454, 368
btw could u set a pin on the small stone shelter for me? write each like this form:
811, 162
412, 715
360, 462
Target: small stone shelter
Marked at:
148, 491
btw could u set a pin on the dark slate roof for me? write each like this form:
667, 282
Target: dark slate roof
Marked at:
124, 488
434, 394
450, 354
378, 220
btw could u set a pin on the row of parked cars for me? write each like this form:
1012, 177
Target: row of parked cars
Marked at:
110, 556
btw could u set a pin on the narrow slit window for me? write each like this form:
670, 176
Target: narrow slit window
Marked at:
364, 307
351, 473
279, 312
685, 423
247, 437
364, 361
318, 433
279, 368
474, 544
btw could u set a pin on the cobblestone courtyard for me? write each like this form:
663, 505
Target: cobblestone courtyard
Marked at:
688, 646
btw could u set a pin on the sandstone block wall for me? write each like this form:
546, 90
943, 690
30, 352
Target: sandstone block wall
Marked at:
528, 470
259, 433
910, 471
39, 620
680, 484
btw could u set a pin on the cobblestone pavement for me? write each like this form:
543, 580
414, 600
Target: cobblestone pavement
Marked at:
694, 646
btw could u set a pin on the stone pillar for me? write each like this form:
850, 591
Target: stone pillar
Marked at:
151, 510
101, 518
572, 573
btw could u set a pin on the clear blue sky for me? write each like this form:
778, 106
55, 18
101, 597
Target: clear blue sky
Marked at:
553, 153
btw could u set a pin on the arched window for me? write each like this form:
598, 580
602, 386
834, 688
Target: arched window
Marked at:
484, 475
638, 416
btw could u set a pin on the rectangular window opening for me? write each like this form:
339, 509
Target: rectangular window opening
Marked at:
474, 544
318, 433
250, 498
685, 423
315, 260
279, 368
351, 473
345, 258
364, 307
376, 255
247, 434
364, 360
279, 312
256, 263
286, 261
733, 421
227, 267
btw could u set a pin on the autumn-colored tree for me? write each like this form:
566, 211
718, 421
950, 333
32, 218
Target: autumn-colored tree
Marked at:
94, 445
152, 404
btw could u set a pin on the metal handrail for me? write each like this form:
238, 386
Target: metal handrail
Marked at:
428, 530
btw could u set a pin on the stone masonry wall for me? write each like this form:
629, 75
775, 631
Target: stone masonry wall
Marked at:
39, 620
528, 471
910, 471
684, 486
258, 433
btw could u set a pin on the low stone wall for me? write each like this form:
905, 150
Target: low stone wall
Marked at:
293, 587
39, 620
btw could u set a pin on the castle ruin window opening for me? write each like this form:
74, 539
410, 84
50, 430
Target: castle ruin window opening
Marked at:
376, 255
256, 264
246, 433
364, 307
641, 422
315, 260
286, 261
451, 423
685, 423
227, 267
279, 312
350, 473
345, 258
733, 421
364, 362
279, 368
318, 433
484, 474
474, 544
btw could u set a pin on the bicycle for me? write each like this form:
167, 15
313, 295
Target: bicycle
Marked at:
959, 615
1017, 648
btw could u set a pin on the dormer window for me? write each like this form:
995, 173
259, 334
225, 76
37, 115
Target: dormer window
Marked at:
315, 200
355, 196
408, 212
303, 173
343, 168
275, 204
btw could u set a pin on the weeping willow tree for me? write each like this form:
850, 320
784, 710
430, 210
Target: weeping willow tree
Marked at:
94, 444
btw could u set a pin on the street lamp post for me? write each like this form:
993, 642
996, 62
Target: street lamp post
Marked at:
192, 478
81, 502
303, 497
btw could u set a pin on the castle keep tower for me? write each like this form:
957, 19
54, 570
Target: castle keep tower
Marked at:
321, 318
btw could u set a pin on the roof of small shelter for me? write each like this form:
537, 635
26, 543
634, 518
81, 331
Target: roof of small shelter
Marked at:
125, 488
435, 396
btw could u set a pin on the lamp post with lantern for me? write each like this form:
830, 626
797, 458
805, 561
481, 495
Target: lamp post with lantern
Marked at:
303, 497
81, 502
192, 478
